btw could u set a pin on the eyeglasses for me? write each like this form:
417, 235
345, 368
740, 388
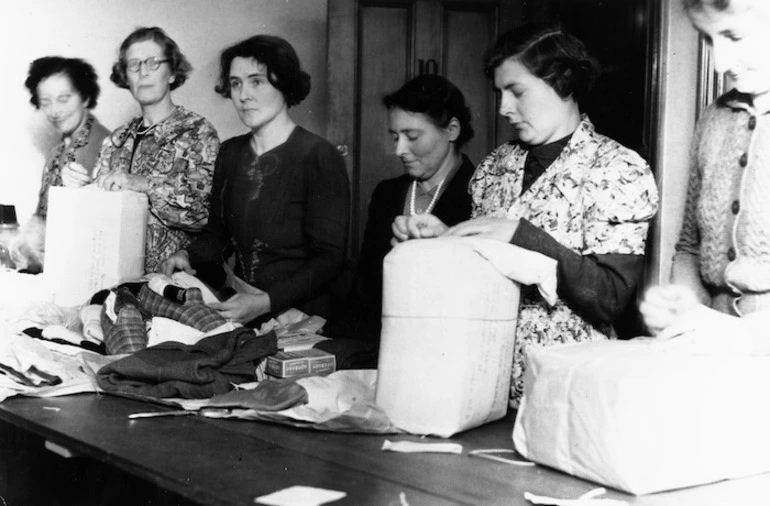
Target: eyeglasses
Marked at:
152, 63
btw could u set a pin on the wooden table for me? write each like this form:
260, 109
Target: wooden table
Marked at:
230, 462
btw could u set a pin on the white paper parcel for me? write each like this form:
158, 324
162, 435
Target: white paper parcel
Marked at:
94, 240
635, 417
448, 329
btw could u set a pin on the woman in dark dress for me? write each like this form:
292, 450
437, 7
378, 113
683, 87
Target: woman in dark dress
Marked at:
280, 199
429, 122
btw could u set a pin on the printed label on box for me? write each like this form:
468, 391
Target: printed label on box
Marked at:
285, 364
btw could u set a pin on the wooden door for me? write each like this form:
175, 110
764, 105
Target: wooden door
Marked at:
375, 46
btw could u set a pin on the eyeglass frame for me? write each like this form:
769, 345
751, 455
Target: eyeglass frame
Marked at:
147, 62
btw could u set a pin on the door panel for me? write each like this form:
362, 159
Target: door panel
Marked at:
391, 42
384, 57
470, 33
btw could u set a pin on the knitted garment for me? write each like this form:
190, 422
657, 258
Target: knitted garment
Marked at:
727, 215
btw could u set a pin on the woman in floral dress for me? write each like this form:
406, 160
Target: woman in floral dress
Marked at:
168, 152
560, 189
66, 91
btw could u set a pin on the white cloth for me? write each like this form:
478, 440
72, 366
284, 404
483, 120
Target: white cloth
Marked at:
166, 329
518, 264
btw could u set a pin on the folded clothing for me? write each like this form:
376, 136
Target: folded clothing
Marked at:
126, 332
128, 308
194, 312
173, 369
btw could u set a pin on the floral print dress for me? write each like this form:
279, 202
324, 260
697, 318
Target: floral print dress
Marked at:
596, 198
177, 157
83, 148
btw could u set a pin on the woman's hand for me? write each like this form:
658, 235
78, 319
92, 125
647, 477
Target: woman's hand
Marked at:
243, 307
664, 305
179, 261
488, 228
74, 175
419, 226
117, 181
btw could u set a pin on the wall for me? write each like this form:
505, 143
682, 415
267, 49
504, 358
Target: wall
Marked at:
93, 30
679, 68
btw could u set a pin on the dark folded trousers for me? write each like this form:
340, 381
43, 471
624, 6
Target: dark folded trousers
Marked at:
207, 368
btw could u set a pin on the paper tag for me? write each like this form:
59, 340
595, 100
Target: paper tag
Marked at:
412, 447
300, 495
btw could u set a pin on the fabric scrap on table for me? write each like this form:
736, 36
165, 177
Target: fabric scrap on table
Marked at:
91, 318
73, 348
164, 329
587, 499
38, 368
269, 395
343, 401
173, 369
300, 495
415, 447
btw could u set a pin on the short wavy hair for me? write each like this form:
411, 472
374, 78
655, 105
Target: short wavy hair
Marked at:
437, 98
80, 73
180, 67
282, 64
558, 58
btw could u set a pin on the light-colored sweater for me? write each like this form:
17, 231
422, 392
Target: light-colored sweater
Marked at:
723, 251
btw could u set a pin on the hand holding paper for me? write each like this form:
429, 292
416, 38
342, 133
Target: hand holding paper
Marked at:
74, 175
419, 226
663, 305
499, 229
117, 181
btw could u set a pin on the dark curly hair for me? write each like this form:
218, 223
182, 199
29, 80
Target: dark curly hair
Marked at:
179, 65
283, 68
437, 98
80, 73
558, 58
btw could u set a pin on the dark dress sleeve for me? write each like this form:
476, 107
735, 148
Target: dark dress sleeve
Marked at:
597, 286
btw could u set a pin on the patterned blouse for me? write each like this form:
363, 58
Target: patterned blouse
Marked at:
177, 157
596, 198
83, 148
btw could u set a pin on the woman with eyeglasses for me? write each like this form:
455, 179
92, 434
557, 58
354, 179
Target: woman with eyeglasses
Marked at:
168, 152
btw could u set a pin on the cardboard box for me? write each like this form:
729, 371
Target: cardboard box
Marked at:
285, 364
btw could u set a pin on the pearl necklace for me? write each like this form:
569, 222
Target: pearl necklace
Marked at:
433, 200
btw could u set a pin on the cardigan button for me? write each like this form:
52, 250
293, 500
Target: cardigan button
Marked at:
744, 160
752, 123
731, 254
735, 207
